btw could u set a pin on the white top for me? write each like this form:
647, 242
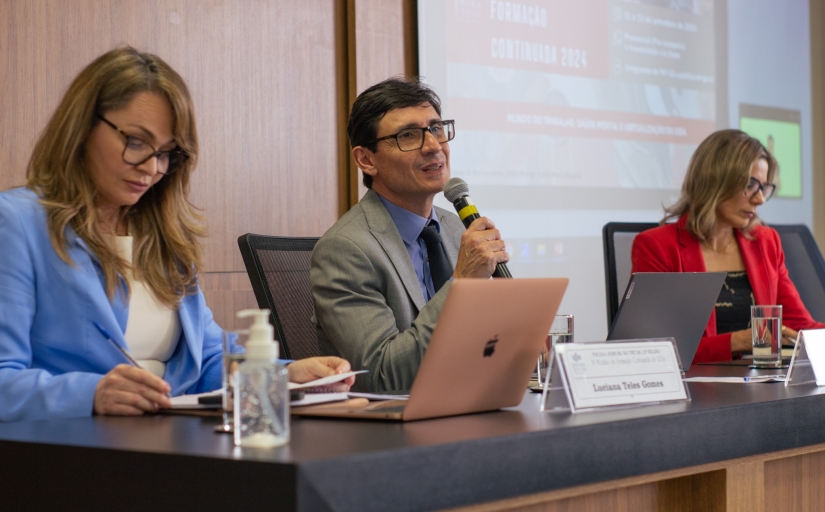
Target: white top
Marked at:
152, 330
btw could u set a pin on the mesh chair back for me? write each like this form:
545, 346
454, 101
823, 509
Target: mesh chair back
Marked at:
806, 267
278, 268
617, 241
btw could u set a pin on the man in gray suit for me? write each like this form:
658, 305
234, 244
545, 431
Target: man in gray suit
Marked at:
381, 274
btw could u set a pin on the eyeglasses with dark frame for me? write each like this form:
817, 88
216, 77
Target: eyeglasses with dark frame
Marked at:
136, 151
754, 186
413, 138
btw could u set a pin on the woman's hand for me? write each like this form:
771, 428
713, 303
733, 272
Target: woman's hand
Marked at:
789, 336
311, 368
740, 341
130, 391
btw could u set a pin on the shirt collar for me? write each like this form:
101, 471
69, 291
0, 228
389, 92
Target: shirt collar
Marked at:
408, 223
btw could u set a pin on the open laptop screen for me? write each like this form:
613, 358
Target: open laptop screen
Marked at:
668, 305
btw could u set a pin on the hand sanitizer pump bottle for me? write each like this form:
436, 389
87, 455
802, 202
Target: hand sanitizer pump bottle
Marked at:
261, 389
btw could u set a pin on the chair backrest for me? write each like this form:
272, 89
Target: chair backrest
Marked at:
806, 267
617, 240
278, 268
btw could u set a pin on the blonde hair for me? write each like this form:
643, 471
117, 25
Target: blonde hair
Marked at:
719, 170
165, 225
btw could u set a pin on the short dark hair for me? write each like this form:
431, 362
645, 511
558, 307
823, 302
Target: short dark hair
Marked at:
371, 105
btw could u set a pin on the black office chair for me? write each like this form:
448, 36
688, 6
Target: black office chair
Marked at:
806, 267
617, 240
278, 268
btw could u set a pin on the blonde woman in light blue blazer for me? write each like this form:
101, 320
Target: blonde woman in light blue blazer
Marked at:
104, 232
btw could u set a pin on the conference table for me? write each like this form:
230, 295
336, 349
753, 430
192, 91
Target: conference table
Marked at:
742, 447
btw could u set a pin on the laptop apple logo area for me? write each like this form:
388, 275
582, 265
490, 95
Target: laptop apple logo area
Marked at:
508, 318
490, 347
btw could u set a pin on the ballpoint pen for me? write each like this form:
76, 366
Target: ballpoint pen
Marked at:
759, 378
123, 351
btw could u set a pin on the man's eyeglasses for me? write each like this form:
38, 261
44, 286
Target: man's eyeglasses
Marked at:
136, 151
754, 186
413, 138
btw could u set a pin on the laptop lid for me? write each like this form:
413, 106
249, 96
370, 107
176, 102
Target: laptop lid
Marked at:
668, 305
481, 355
485, 345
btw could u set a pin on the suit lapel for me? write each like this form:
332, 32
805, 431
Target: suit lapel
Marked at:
383, 229
447, 238
755, 264
118, 307
690, 251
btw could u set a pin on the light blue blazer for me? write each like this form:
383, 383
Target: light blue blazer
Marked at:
51, 354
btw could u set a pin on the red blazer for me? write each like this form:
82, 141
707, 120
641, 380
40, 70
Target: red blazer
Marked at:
672, 248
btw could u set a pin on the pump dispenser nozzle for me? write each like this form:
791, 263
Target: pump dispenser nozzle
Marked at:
260, 344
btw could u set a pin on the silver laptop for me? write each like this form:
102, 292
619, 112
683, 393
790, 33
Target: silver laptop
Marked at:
481, 355
668, 305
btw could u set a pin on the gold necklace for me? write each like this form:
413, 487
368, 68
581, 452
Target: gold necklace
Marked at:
724, 249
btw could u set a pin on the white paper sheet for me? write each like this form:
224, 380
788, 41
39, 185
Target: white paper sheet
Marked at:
319, 398
739, 380
377, 396
332, 379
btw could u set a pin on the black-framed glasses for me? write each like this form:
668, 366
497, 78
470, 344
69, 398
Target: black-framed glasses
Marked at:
413, 138
754, 186
136, 151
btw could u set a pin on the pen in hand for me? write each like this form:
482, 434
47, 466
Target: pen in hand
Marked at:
123, 351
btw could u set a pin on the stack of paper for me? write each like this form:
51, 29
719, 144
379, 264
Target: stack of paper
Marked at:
315, 393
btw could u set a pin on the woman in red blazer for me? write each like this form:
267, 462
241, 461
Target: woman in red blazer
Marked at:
730, 175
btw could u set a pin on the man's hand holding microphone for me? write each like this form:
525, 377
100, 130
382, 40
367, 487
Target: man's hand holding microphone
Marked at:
482, 252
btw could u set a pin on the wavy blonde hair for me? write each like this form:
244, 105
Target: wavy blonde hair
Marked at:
165, 225
719, 170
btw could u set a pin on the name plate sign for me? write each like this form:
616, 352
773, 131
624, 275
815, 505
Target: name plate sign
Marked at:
612, 374
808, 360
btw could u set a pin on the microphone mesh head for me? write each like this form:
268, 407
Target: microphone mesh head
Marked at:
455, 189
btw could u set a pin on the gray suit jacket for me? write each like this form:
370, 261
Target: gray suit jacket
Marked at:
369, 308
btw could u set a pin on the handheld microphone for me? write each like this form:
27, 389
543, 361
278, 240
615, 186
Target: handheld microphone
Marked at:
457, 192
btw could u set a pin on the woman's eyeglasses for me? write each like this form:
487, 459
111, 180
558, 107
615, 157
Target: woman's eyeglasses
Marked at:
754, 186
136, 151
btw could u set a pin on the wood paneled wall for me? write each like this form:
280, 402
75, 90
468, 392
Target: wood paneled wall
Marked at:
383, 39
264, 76
272, 83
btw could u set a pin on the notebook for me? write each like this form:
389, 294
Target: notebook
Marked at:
668, 305
481, 355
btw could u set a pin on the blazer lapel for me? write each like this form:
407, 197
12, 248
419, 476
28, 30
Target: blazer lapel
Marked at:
690, 250
118, 307
383, 229
764, 291
184, 367
690, 253
446, 240
103, 315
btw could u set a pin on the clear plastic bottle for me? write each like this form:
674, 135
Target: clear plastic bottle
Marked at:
261, 389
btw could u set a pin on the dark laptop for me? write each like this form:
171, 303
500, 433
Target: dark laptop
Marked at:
668, 305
